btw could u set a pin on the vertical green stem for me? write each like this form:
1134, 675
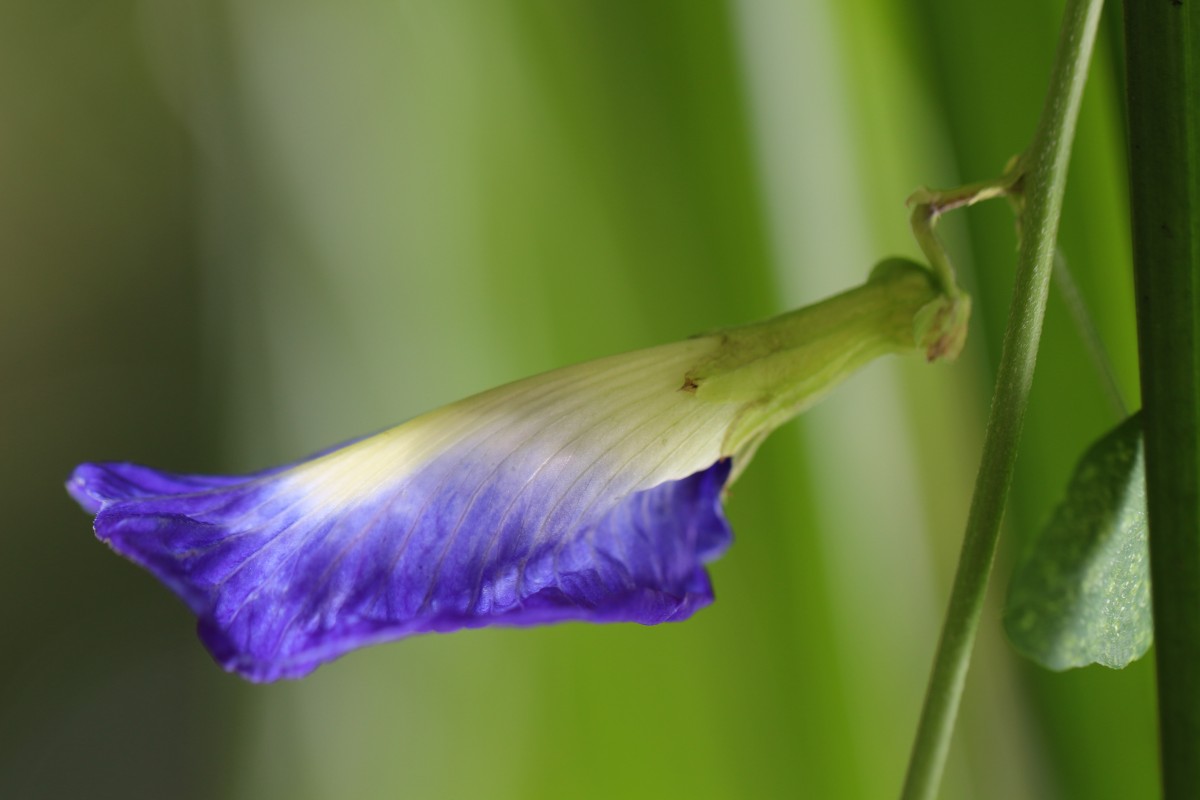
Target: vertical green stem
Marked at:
1044, 181
1163, 91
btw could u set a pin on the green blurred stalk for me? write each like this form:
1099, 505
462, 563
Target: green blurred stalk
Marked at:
1045, 165
1163, 82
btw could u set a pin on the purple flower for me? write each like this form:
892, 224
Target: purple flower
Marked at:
529, 504
588, 493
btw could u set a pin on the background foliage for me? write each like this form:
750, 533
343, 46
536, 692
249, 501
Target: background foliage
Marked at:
232, 233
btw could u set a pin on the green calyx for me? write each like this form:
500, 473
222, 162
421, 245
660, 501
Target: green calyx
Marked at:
780, 367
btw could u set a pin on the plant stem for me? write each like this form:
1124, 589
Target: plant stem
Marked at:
1045, 166
929, 204
1163, 81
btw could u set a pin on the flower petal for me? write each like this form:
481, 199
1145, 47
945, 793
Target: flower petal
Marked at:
533, 503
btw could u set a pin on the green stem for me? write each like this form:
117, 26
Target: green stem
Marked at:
1163, 83
1045, 174
929, 204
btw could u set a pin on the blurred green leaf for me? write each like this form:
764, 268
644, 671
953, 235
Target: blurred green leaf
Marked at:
1081, 594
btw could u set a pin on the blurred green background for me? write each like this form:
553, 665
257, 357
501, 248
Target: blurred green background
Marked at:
232, 233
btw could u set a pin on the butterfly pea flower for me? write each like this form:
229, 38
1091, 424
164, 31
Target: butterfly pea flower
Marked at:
592, 492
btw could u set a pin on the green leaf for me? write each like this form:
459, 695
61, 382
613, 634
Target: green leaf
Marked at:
1081, 594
